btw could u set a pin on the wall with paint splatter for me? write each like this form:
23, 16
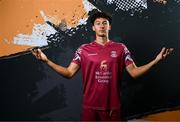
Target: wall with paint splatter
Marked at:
30, 90
24, 22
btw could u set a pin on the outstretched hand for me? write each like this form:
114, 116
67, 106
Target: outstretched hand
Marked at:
165, 52
39, 55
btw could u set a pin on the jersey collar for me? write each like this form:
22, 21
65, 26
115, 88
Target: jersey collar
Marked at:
108, 43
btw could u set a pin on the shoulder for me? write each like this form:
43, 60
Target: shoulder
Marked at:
119, 44
84, 46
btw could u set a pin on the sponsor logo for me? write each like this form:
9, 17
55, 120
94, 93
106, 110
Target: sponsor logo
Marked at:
103, 75
92, 54
103, 65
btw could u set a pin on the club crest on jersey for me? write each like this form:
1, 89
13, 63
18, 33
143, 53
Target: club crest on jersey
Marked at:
113, 54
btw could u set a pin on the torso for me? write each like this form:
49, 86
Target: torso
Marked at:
102, 67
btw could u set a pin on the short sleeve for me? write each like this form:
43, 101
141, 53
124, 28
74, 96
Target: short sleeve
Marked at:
127, 56
77, 56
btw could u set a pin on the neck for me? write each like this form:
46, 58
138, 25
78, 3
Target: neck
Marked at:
102, 40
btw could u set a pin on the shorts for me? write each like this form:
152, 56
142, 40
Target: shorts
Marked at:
89, 114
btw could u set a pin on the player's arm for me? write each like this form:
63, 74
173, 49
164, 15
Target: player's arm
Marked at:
135, 71
67, 72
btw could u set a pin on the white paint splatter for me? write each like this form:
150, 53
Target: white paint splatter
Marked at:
41, 31
138, 1
88, 6
83, 21
110, 1
38, 36
178, 1
126, 5
44, 16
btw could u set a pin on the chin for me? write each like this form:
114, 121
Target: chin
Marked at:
102, 35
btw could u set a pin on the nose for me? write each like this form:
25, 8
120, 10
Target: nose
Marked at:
102, 25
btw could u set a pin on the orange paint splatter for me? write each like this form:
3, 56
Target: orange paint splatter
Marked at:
19, 16
168, 116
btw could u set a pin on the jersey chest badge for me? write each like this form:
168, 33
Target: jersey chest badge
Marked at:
114, 54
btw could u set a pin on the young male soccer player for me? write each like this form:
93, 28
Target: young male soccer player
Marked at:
102, 62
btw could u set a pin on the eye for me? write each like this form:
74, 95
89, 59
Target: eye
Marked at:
97, 23
105, 23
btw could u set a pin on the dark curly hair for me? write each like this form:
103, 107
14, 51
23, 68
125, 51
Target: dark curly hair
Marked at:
100, 15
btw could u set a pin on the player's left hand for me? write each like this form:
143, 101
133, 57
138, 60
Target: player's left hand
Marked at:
165, 52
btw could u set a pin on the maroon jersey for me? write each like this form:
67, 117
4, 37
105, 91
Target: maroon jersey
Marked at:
102, 68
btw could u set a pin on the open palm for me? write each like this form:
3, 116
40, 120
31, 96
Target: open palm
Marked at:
40, 55
164, 53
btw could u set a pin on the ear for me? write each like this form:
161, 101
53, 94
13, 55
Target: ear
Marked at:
109, 27
93, 28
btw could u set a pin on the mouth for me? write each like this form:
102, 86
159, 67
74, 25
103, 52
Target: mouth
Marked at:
102, 31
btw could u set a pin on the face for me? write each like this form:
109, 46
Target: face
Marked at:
101, 27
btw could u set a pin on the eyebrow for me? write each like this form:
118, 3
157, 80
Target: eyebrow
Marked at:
100, 21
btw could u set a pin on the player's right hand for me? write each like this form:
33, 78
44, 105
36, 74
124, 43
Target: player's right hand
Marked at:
39, 55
